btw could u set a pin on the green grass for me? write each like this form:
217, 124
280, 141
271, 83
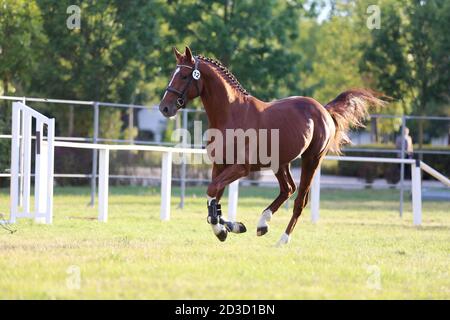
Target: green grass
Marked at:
136, 256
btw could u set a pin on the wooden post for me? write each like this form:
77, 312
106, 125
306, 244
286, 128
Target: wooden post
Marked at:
315, 197
40, 175
233, 194
416, 193
26, 138
166, 185
15, 153
103, 184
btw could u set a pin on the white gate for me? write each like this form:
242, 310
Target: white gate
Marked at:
22, 126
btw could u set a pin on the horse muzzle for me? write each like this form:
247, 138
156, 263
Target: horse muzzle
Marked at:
167, 111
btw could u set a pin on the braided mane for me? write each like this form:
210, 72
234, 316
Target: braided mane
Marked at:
232, 80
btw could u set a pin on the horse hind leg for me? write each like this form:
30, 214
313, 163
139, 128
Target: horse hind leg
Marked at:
309, 167
287, 188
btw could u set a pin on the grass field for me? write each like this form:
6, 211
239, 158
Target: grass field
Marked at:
360, 249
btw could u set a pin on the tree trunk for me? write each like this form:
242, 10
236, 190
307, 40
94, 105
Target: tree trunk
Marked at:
420, 137
70, 124
374, 130
5, 86
4, 112
130, 124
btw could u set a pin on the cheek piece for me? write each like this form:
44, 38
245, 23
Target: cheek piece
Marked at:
195, 76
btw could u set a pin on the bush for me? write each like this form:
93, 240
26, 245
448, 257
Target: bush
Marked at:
5, 153
74, 161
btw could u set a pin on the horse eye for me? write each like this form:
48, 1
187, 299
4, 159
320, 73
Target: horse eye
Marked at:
184, 77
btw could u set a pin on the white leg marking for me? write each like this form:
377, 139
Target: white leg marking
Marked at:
283, 240
265, 217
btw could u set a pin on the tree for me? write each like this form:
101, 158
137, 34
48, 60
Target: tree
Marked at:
106, 59
408, 57
20, 33
253, 38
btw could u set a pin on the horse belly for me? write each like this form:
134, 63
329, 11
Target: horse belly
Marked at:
292, 138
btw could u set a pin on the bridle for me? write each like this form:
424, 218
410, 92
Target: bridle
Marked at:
195, 75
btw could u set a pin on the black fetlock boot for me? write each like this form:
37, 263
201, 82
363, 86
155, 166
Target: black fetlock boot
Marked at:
214, 213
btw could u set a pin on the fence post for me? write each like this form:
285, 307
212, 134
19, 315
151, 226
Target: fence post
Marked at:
416, 193
15, 154
315, 197
402, 165
103, 185
50, 169
233, 194
21, 157
40, 175
166, 184
26, 173
183, 161
94, 154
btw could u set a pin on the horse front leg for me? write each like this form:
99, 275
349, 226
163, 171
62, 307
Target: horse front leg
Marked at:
232, 226
220, 180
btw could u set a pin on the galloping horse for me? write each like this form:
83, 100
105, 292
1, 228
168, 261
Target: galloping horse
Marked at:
305, 128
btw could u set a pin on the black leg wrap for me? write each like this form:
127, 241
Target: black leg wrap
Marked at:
213, 212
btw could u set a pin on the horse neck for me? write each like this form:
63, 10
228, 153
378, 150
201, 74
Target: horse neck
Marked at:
219, 98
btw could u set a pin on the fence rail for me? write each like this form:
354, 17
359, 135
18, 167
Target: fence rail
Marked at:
95, 139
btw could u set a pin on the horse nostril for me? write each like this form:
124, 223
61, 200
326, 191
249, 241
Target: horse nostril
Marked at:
165, 110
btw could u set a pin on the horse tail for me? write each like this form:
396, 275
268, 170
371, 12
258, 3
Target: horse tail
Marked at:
350, 109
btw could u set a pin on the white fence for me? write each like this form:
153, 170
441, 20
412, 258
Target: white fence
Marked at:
21, 154
22, 124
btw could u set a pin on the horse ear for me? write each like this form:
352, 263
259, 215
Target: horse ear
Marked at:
188, 54
178, 54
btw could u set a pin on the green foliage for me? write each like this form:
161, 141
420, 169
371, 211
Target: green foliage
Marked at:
408, 57
123, 53
254, 38
5, 147
331, 53
107, 59
20, 36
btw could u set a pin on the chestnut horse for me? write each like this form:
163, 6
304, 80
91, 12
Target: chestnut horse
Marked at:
305, 128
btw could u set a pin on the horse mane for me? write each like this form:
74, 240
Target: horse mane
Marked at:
231, 79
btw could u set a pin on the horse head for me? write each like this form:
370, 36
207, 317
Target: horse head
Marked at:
185, 84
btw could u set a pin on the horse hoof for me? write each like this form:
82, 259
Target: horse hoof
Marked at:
260, 231
236, 227
220, 231
240, 227
222, 235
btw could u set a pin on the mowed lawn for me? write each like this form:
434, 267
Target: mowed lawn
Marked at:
360, 249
